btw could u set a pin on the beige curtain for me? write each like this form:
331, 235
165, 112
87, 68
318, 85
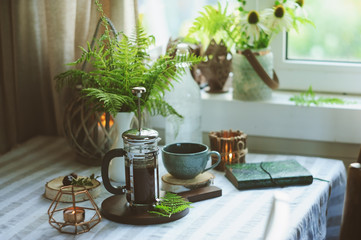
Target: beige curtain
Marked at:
37, 39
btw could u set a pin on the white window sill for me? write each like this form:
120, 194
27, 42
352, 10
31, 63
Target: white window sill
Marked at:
281, 118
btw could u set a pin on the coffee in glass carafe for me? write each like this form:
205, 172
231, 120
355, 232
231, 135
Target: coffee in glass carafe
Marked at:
141, 165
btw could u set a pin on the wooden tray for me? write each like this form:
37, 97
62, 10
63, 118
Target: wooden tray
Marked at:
52, 187
116, 208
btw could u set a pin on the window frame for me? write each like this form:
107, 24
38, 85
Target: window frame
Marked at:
323, 76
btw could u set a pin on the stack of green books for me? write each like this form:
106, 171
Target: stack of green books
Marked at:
268, 174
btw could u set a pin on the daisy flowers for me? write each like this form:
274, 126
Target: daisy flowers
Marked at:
253, 31
277, 19
258, 28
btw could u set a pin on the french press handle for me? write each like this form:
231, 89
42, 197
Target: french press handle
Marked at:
118, 152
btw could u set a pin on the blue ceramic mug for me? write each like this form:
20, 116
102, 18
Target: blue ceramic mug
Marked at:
187, 160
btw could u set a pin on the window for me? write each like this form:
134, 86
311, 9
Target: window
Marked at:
327, 57
335, 37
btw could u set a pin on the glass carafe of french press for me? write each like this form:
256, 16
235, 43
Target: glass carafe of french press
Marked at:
141, 164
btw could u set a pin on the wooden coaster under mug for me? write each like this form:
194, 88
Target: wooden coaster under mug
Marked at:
172, 184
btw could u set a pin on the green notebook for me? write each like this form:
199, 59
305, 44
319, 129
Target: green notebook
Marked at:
273, 174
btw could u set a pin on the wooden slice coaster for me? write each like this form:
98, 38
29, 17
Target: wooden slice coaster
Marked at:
52, 187
172, 184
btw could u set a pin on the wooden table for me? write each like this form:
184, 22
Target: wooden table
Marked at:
315, 209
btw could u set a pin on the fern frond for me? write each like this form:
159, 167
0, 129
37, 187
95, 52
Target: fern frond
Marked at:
112, 102
157, 106
170, 204
71, 78
160, 75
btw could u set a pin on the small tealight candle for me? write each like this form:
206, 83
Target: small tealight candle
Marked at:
72, 215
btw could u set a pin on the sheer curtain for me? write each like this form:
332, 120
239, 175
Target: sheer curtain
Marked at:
37, 39
164, 18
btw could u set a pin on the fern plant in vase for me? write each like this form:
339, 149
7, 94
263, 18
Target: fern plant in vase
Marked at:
119, 63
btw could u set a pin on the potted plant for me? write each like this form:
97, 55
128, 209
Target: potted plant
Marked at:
211, 30
117, 63
253, 72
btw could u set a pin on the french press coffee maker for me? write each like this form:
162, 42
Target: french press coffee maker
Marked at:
141, 168
133, 203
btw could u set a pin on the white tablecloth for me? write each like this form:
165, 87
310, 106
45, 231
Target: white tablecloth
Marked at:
316, 209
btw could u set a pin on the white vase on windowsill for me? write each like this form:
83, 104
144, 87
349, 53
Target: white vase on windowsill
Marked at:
247, 85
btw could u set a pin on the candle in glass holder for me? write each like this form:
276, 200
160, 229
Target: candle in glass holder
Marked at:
72, 215
231, 145
103, 124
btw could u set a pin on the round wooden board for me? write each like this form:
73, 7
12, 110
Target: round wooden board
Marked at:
52, 187
172, 184
116, 208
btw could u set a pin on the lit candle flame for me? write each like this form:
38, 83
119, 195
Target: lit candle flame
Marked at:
103, 121
226, 150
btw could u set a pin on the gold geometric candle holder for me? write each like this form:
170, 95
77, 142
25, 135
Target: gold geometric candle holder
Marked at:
75, 218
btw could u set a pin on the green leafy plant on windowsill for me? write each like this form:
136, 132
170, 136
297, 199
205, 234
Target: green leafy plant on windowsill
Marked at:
117, 64
309, 97
170, 204
213, 23
243, 28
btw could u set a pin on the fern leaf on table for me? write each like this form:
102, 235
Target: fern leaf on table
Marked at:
170, 204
